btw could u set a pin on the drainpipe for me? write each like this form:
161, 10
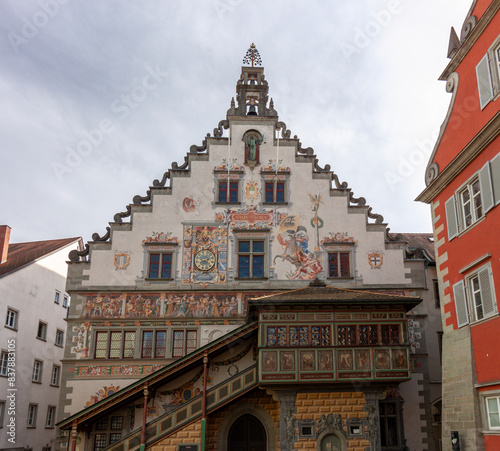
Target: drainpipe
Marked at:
204, 403
74, 435
144, 415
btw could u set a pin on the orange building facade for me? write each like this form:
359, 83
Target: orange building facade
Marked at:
463, 189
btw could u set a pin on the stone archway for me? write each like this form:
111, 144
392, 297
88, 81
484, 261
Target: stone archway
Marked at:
247, 408
247, 433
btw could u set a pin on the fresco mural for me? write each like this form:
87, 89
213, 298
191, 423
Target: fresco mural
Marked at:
165, 305
294, 241
161, 237
104, 392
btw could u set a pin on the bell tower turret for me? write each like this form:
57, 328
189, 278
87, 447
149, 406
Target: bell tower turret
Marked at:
252, 89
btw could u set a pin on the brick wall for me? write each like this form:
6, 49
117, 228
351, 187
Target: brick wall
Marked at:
310, 406
189, 434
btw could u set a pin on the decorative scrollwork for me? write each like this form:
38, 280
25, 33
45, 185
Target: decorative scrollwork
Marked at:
397, 237
223, 125
339, 185
361, 201
75, 256
318, 168
331, 423
118, 217
138, 200
431, 173
105, 237
379, 219
467, 28
176, 167
284, 132
161, 183
307, 151
198, 149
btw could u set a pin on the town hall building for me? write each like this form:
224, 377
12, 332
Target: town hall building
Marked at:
248, 301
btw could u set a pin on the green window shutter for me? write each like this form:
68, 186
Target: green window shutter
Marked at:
486, 292
486, 187
484, 81
451, 218
461, 304
495, 178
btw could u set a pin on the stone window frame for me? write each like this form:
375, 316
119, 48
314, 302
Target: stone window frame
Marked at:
108, 333
36, 375
41, 332
57, 297
50, 419
278, 177
160, 248
3, 406
55, 381
307, 423
483, 397
32, 415
338, 248
240, 235
4, 360
463, 294
154, 331
231, 176
59, 340
9, 322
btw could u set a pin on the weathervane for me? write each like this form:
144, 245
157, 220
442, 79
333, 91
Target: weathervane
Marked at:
252, 56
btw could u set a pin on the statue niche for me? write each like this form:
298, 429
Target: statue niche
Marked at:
252, 140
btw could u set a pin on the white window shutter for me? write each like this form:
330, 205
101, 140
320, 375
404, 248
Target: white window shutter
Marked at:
484, 81
461, 304
486, 292
451, 218
486, 187
495, 178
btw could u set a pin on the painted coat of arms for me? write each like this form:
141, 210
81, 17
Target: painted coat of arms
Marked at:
375, 259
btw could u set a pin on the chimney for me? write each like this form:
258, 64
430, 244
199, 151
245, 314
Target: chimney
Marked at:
4, 242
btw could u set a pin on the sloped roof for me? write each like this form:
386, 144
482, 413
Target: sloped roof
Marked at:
318, 292
22, 254
424, 241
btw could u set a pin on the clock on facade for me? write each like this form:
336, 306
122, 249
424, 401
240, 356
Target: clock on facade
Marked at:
204, 260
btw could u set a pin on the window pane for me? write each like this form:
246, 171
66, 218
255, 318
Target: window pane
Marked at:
166, 269
269, 192
99, 442
115, 345
116, 423
101, 345
191, 342
222, 192
280, 192
244, 246
333, 270
114, 437
3, 364
258, 246
154, 266
244, 266
129, 345
178, 345
345, 270
258, 266
147, 344
160, 343
233, 192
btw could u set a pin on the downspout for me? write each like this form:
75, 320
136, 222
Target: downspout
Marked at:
74, 435
204, 403
144, 415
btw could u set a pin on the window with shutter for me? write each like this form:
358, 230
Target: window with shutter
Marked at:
486, 187
486, 292
484, 81
460, 304
451, 218
495, 178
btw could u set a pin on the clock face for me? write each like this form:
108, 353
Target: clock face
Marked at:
204, 260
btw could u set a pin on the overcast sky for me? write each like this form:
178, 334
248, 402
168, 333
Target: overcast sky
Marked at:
355, 80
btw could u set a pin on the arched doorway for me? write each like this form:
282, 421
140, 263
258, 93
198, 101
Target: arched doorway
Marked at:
331, 442
247, 434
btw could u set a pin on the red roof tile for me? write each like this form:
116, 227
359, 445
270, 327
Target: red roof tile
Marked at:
22, 254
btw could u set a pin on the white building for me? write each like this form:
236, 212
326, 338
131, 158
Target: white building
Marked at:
33, 308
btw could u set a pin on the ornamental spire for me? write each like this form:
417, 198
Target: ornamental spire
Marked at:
252, 56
